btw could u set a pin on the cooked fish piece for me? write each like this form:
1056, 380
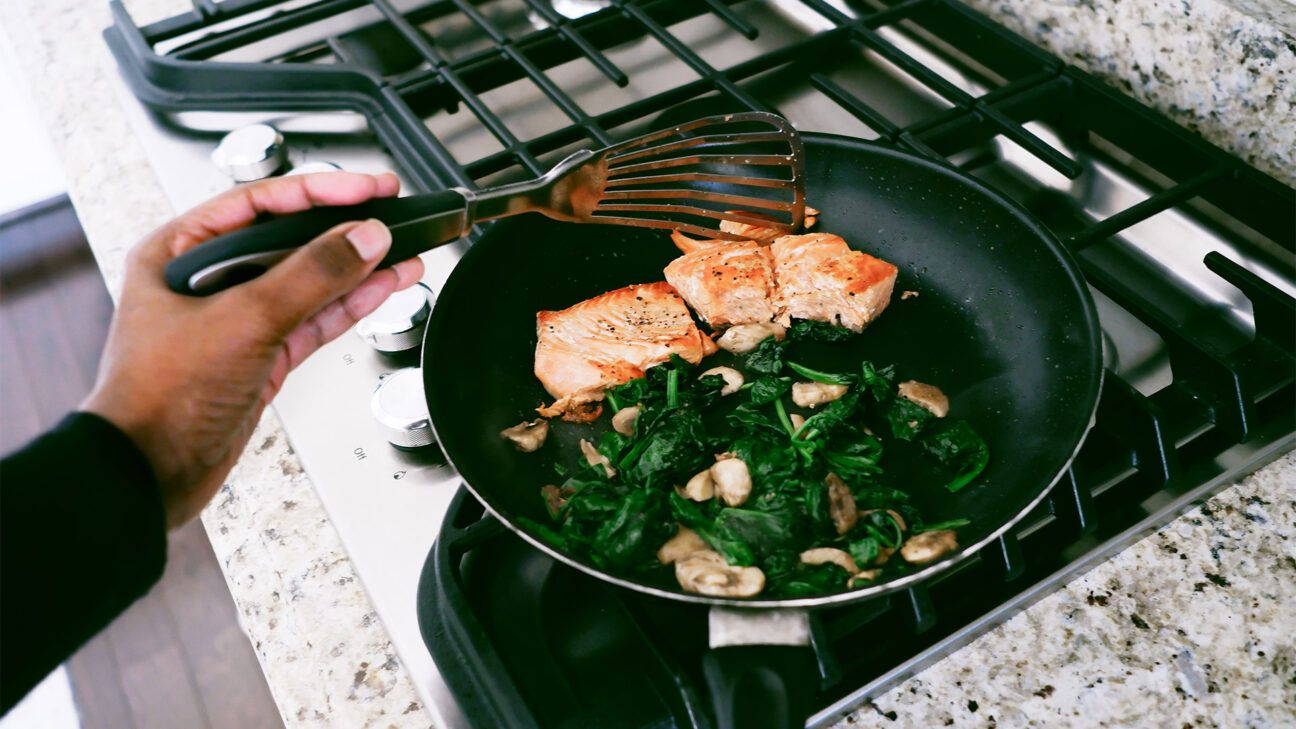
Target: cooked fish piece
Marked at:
821, 278
757, 233
760, 233
689, 245
610, 339
727, 284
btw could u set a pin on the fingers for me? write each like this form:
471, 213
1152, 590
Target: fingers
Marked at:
313, 276
241, 205
342, 314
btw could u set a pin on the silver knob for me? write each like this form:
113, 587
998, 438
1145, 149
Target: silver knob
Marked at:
249, 153
310, 168
398, 324
399, 406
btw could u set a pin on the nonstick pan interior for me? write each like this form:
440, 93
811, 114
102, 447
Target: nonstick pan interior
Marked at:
1002, 322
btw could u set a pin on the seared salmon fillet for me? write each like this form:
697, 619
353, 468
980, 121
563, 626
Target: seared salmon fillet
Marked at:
821, 278
610, 339
726, 284
759, 233
688, 245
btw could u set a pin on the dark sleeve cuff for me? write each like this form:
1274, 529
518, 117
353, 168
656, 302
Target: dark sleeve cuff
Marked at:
82, 536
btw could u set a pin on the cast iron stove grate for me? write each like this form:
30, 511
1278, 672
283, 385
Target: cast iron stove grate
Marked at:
523, 641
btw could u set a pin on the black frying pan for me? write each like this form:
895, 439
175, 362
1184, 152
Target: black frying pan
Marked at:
1003, 323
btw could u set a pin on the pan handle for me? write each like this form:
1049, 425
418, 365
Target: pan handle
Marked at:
761, 669
418, 223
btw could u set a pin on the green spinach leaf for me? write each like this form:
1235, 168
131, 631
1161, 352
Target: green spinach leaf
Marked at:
863, 549
765, 532
769, 388
907, 419
749, 419
830, 378
635, 531
671, 452
771, 462
877, 382
822, 423
857, 456
766, 358
960, 451
938, 526
807, 580
818, 331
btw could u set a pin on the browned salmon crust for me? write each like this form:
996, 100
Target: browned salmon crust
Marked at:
610, 339
822, 279
760, 233
726, 284
757, 233
688, 245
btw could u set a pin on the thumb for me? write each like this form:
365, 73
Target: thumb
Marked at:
318, 273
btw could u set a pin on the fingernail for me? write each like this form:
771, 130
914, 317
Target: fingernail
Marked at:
371, 239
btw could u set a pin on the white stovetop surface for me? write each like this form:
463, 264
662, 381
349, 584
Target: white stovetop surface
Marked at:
1199, 651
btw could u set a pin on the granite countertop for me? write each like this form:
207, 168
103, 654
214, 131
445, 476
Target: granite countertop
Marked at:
1191, 626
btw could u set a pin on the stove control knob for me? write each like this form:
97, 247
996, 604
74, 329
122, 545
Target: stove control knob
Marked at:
399, 406
398, 324
310, 168
249, 153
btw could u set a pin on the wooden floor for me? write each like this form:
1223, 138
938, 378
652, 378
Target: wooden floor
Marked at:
176, 658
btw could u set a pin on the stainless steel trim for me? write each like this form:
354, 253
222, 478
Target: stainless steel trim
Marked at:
768, 627
210, 278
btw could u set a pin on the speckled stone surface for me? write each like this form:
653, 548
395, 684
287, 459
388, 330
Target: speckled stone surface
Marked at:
1226, 74
1194, 626
1190, 626
326, 657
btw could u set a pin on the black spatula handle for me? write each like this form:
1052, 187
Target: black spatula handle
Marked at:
418, 223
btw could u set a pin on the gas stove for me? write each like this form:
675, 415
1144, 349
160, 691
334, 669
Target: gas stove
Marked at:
1188, 252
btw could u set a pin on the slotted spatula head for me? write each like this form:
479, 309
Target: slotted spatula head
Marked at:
746, 168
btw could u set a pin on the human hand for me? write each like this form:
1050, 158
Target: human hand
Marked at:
187, 378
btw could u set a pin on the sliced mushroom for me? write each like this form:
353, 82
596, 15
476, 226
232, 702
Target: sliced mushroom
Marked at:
684, 543
929, 546
797, 421
594, 458
733, 482
841, 504
863, 577
732, 377
744, 337
699, 488
830, 555
527, 437
706, 573
555, 498
928, 396
813, 394
624, 421
884, 554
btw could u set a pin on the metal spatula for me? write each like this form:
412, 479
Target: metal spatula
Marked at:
747, 168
